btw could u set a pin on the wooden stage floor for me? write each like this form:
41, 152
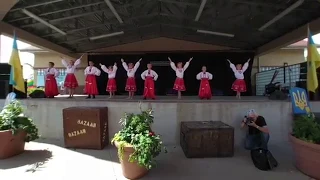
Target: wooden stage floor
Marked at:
185, 99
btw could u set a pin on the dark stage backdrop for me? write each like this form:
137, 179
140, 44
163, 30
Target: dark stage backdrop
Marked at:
216, 63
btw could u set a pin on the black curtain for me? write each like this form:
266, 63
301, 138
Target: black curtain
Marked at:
216, 63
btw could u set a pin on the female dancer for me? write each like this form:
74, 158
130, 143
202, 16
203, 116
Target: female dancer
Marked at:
70, 81
149, 76
239, 84
91, 83
131, 82
51, 87
179, 69
112, 84
204, 90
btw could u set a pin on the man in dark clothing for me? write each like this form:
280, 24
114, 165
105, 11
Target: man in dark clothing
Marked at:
258, 132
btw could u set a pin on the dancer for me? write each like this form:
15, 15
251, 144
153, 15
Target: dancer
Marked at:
111, 85
149, 76
239, 84
51, 87
205, 89
70, 81
91, 83
179, 82
131, 82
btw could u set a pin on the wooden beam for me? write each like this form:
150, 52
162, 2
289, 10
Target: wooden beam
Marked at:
35, 40
289, 38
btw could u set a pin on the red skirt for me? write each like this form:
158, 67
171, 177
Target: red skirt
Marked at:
131, 85
91, 85
51, 87
112, 85
179, 84
71, 81
205, 89
149, 88
239, 85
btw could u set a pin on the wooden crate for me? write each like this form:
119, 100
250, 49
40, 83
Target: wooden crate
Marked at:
85, 127
200, 139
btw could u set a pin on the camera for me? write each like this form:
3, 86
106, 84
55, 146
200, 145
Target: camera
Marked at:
248, 120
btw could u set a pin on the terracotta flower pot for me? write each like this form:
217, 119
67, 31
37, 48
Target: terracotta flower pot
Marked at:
11, 145
307, 157
130, 170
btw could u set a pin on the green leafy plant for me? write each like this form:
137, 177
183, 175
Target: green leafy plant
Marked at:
12, 118
136, 132
306, 128
31, 89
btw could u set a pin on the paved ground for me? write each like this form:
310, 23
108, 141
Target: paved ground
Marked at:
49, 160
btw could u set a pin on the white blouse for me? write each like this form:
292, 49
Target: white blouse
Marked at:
111, 74
131, 72
71, 69
51, 71
92, 71
204, 75
179, 71
149, 73
239, 73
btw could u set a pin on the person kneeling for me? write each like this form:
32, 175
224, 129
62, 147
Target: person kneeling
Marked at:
258, 132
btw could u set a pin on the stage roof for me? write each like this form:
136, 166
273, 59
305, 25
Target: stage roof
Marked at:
85, 25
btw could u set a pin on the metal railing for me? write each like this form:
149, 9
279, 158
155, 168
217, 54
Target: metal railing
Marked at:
288, 76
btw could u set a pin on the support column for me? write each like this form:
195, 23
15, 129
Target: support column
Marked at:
0, 49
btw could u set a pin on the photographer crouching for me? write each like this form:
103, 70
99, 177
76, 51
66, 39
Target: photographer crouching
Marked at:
258, 132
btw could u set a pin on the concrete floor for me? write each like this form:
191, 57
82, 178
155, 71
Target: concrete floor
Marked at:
49, 160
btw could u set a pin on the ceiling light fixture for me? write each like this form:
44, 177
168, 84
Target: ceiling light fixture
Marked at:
113, 10
215, 33
106, 35
37, 18
203, 3
281, 15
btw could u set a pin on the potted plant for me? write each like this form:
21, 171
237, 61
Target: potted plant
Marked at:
15, 130
137, 144
305, 139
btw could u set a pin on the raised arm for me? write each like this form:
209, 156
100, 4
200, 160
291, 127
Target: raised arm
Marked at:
232, 66
245, 66
77, 63
186, 65
173, 66
64, 63
136, 66
104, 68
155, 75
143, 75
124, 64
198, 76
115, 68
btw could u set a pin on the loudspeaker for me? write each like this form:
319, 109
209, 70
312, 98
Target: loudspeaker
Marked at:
278, 95
5, 68
4, 88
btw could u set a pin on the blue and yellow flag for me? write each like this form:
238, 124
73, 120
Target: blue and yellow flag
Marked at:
16, 74
313, 61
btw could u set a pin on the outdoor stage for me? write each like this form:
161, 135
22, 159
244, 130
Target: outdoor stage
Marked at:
168, 113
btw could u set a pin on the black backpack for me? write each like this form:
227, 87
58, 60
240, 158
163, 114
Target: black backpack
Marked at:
263, 159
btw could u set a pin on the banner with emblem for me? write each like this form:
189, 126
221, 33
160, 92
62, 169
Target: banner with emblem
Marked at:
300, 101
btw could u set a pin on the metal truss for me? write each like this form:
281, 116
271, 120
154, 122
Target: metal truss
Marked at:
79, 20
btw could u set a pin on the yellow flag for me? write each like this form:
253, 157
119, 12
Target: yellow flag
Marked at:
16, 74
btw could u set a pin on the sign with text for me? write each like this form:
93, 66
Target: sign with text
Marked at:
85, 127
300, 101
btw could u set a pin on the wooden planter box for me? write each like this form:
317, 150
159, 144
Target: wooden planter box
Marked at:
200, 139
85, 127
307, 157
11, 145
